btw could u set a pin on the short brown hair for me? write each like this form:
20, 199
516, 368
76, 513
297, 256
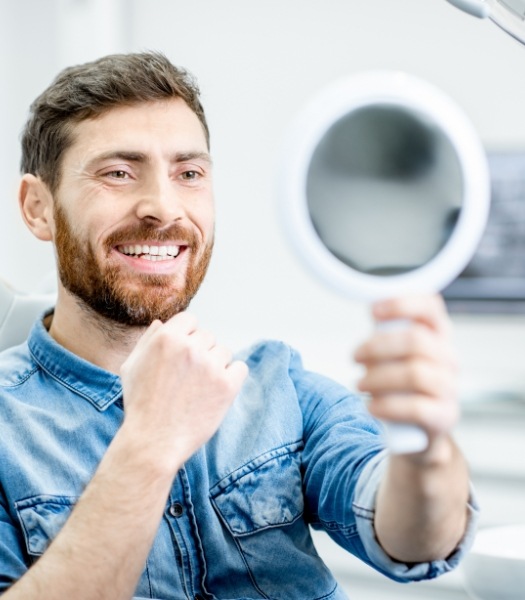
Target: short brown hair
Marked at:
88, 90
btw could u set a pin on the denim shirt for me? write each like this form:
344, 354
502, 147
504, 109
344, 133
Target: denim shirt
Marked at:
295, 450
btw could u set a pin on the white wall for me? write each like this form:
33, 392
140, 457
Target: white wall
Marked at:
257, 63
38, 38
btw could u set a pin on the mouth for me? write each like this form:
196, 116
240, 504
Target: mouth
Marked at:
151, 252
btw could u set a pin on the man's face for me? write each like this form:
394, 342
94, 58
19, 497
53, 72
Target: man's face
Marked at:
133, 213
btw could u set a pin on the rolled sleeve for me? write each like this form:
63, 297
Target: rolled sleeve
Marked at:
364, 510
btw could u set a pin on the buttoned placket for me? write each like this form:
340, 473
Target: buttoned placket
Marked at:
181, 519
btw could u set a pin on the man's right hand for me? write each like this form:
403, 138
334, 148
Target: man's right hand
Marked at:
178, 385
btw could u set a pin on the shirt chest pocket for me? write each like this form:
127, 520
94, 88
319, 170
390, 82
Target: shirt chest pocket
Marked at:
261, 505
263, 494
41, 518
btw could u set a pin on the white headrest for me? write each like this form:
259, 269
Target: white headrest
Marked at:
18, 312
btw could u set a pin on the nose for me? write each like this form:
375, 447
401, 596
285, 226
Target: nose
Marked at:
160, 201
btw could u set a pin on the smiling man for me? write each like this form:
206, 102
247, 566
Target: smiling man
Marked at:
138, 458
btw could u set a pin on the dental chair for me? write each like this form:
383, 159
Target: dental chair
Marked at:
18, 312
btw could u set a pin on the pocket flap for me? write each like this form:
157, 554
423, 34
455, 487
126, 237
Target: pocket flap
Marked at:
269, 495
42, 517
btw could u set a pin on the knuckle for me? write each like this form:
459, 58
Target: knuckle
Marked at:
226, 355
164, 341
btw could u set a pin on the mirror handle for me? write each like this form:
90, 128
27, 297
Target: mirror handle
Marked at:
405, 438
402, 438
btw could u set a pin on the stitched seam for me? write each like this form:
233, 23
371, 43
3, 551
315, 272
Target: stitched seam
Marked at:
27, 376
229, 476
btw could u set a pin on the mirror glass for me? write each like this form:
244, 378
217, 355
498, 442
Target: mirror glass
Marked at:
384, 189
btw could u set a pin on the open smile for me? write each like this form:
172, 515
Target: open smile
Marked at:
150, 252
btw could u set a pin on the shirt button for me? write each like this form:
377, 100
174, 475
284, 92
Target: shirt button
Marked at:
176, 510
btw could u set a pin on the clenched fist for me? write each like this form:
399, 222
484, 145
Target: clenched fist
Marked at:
178, 385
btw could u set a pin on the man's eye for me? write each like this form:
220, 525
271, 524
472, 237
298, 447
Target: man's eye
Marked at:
117, 174
190, 175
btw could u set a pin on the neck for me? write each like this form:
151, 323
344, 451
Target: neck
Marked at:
94, 338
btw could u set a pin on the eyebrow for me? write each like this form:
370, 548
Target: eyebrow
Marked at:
141, 157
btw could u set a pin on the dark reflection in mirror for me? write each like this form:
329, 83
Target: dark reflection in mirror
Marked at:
384, 189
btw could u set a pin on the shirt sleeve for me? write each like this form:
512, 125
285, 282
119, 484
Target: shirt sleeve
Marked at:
364, 508
344, 459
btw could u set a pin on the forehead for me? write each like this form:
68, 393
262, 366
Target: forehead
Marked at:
169, 122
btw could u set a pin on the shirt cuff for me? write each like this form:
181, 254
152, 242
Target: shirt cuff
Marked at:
364, 508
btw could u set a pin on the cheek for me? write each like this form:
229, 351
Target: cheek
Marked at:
209, 217
202, 216
89, 239
210, 226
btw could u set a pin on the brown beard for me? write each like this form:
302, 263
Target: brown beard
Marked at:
104, 289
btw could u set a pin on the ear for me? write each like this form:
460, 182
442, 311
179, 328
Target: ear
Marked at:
36, 205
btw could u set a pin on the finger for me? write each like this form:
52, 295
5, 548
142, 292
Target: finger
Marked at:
431, 414
414, 376
429, 310
415, 341
150, 331
182, 323
142, 344
202, 339
222, 355
237, 371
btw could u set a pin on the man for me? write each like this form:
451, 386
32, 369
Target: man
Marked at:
137, 458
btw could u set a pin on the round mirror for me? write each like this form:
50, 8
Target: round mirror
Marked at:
384, 186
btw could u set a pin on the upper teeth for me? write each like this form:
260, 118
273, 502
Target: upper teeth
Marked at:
150, 251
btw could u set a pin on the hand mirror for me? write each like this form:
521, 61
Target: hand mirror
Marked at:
384, 191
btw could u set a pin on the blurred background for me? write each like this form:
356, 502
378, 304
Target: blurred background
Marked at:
257, 63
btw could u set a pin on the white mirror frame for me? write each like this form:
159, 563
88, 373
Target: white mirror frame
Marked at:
305, 133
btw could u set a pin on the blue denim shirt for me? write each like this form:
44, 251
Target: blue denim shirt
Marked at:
295, 450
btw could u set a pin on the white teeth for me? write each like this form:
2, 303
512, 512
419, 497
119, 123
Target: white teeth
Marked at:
150, 252
151, 257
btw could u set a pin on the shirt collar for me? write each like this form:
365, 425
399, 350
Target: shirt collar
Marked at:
98, 386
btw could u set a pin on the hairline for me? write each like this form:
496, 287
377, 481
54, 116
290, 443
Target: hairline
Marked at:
76, 119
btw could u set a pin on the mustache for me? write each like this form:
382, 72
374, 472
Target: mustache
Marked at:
148, 231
